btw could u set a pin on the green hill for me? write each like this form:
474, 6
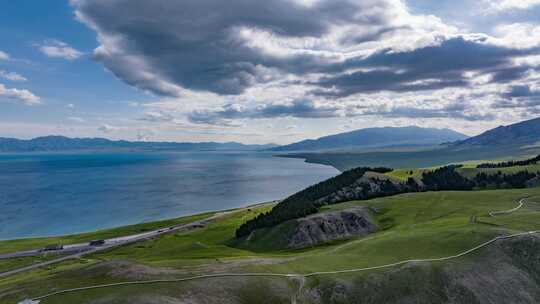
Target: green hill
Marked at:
413, 226
357, 184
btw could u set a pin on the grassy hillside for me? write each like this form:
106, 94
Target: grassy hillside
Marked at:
418, 225
468, 170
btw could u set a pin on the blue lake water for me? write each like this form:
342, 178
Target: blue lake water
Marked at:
58, 194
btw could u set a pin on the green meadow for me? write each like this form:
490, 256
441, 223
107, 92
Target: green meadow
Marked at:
412, 226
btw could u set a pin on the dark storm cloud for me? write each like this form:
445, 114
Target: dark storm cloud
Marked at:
308, 109
299, 108
163, 46
508, 74
428, 68
377, 34
195, 44
375, 81
519, 96
521, 91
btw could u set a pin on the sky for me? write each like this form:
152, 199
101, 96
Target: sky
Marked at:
277, 71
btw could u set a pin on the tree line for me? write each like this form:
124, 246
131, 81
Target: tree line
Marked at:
511, 163
308, 201
303, 203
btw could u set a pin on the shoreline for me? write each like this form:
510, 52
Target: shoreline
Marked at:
87, 201
153, 222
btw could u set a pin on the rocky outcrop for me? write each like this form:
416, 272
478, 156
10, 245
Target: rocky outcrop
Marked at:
370, 185
324, 227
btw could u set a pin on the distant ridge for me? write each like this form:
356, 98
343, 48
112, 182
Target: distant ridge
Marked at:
522, 133
62, 143
377, 138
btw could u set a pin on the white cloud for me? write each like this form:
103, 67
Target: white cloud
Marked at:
157, 116
518, 35
144, 135
503, 5
23, 95
372, 58
76, 119
242, 46
70, 105
105, 128
4, 56
59, 49
12, 76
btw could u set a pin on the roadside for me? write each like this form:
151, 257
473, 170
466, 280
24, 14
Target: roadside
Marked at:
76, 251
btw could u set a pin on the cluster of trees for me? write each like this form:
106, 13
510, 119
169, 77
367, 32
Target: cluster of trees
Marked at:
446, 178
511, 163
499, 180
308, 202
387, 188
303, 203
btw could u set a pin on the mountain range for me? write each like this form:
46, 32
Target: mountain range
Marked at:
61, 143
519, 134
522, 133
377, 138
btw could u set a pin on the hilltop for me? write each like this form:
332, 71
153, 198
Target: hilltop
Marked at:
522, 133
368, 183
377, 138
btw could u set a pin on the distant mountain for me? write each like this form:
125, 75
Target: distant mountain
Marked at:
61, 143
522, 133
377, 138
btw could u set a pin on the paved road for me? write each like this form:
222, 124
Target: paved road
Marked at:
83, 247
76, 251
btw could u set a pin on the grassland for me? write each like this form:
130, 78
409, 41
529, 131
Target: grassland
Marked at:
36, 243
404, 174
468, 170
416, 225
9, 264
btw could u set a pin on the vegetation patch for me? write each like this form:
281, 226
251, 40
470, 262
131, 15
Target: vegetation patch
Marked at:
367, 183
303, 203
36, 243
512, 163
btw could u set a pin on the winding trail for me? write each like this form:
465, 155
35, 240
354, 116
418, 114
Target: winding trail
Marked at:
505, 212
302, 277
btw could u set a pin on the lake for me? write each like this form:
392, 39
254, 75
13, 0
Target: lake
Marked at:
47, 194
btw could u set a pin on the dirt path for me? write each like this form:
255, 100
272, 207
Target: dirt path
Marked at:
505, 212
